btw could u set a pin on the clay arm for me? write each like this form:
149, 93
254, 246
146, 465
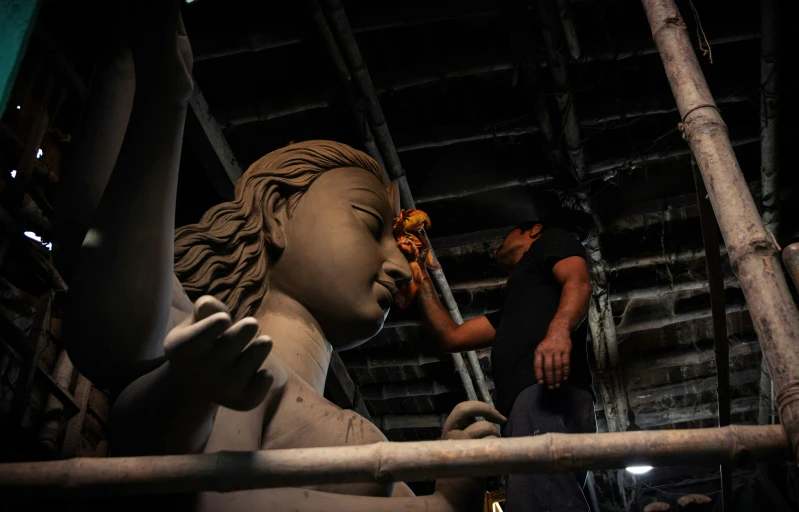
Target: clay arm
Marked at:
293, 499
171, 409
470, 335
121, 287
242, 431
553, 353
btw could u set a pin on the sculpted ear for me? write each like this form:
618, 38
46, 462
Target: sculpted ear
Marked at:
275, 218
394, 196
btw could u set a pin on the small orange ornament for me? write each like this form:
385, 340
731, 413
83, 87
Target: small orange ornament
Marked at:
408, 227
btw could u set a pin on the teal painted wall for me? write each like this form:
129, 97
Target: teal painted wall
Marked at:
17, 18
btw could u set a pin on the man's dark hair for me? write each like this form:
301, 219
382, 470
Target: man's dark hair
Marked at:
580, 224
527, 226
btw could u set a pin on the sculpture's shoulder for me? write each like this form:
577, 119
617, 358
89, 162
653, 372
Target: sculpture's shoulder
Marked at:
305, 419
356, 429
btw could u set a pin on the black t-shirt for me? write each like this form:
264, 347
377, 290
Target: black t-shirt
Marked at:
531, 300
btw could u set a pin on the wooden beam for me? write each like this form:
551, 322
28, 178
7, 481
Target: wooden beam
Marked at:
688, 387
691, 356
37, 340
206, 139
676, 415
69, 447
658, 323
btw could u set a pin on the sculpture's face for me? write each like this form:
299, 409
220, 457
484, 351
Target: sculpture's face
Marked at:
341, 261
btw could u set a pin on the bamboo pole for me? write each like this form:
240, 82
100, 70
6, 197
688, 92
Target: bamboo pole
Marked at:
558, 67
389, 462
769, 112
769, 155
790, 256
339, 26
753, 252
715, 279
344, 76
604, 337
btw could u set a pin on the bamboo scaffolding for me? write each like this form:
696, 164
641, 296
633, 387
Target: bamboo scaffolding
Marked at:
769, 155
338, 25
790, 256
752, 251
558, 67
389, 462
715, 279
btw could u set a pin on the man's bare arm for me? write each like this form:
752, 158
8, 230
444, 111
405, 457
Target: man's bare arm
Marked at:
471, 335
552, 356
572, 274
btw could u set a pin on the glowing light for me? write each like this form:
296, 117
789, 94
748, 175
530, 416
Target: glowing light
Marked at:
34, 236
639, 470
18, 107
93, 239
39, 153
14, 173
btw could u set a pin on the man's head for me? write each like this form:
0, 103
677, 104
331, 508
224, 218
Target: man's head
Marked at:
517, 242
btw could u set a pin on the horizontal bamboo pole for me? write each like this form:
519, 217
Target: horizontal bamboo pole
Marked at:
389, 462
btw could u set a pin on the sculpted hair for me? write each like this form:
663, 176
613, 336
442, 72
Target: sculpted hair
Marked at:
226, 253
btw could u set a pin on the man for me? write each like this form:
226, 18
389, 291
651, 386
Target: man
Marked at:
539, 353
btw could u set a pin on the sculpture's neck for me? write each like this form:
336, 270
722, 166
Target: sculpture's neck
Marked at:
297, 339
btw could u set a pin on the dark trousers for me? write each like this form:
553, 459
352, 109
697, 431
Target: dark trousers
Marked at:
537, 410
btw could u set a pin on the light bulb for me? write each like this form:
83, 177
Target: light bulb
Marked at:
639, 470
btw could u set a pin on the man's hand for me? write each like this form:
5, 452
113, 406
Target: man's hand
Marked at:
552, 358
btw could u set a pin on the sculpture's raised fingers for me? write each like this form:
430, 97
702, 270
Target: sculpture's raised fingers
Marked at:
254, 393
465, 413
230, 344
208, 305
249, 362
480, 430
192, 340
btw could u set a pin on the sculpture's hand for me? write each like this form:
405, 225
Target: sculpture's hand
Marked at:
219, 360
461, 422
467, 493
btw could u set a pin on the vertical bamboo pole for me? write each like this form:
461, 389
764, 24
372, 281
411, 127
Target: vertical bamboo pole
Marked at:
340, 29
720, 342
752, 250
769, 160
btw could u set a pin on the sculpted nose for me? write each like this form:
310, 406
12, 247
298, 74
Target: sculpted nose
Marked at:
396, 266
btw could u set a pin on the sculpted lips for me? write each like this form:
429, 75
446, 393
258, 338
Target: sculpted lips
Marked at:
392, 292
